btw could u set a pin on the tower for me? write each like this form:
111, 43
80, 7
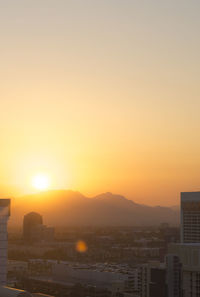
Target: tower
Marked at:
190, 217
31, 221
4, 216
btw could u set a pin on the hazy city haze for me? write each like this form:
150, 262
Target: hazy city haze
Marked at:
100, 96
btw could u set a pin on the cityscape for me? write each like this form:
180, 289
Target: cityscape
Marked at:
102, 261
99, 148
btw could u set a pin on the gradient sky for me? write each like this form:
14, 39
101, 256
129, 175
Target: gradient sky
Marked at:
103, 95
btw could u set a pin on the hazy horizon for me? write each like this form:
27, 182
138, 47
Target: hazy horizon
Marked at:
51, 191
100, 96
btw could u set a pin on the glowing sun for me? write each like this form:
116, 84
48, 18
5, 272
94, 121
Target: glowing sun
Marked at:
41, 182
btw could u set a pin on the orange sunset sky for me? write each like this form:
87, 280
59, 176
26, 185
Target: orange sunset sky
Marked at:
101, 96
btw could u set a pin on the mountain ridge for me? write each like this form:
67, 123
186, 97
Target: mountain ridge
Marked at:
72, 208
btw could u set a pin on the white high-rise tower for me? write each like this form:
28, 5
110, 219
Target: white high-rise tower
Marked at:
4, 216
190, 217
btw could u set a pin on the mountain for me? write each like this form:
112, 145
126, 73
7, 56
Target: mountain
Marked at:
175, 207
70, 208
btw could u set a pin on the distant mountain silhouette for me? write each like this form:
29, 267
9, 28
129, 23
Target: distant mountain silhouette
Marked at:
175, 207
70, 208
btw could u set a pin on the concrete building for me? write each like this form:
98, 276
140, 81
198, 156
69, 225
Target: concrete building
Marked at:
34, 230
183, 260
153, 280
189, 257
118, 287
105, 279
190, 217
31, 220
14, 266
174, 275
42, 233
4, 216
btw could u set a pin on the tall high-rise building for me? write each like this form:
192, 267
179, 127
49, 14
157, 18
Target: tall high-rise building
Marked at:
183, 261
189, 257
31, 221
34, 230
4, 216
190, 217
174, 275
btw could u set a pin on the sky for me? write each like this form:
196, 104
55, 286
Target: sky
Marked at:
101, 96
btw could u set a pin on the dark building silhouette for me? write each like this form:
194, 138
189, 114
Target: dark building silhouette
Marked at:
174, 275
152, 280
31, 221
157, 286
34, 230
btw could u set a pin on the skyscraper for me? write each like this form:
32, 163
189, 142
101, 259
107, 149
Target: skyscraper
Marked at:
190, 217
174, 275
31, 221
4, 216
183, 261
34, 230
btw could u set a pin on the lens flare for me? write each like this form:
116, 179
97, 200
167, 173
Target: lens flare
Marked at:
81, 246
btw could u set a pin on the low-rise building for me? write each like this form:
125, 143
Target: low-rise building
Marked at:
189, 257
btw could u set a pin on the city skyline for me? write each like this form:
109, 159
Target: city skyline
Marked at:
99, 142
101, 96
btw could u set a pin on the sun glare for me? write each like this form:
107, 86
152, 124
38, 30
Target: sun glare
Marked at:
41, 182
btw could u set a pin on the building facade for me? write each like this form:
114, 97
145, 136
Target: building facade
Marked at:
153, 280
4, 216
183, 260
174, 275
190, 217
189, 257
